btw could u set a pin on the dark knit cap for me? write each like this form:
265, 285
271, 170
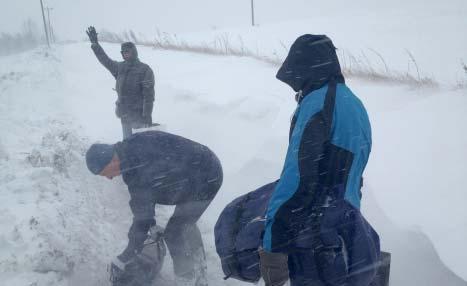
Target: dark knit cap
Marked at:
98, 156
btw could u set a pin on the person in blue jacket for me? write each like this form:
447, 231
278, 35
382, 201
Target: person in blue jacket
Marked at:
329, 146
163, 168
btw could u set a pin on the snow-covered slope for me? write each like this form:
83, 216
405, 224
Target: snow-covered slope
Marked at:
60, 225
430, 30
400, 37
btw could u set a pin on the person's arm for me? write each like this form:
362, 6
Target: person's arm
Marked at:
107, 62
142, 206
147, 87
293, 191
300, 176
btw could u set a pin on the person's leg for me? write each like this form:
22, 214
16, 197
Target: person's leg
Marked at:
182, 235
139, 122
303, 270
185, 244
126, 129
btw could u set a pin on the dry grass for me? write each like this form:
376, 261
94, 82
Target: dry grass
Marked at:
352, 66
220, 46
462, 84
361, 67
25, 40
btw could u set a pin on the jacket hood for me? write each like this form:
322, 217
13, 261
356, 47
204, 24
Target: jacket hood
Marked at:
311, 63
130, 46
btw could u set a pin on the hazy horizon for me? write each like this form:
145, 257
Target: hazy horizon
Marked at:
70, 18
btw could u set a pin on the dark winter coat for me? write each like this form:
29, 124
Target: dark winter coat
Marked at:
134, 86
329, 146
162, 168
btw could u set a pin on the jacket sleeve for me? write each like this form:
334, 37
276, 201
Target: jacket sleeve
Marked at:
142, 206
294, 193
107, 62
147, 87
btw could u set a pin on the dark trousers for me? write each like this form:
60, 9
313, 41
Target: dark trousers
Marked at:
182, 235
128, 126
303, 270
184, 241
126, 129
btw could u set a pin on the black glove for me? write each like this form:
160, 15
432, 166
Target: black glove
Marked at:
117, 271
92, 34
132, 268
274, 268
140, 270
119, 267
128, 254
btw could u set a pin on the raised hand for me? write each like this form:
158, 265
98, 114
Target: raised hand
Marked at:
92, 34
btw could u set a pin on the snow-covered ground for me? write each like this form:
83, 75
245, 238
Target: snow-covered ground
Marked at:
60, 225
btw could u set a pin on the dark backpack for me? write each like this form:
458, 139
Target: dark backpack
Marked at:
349, 251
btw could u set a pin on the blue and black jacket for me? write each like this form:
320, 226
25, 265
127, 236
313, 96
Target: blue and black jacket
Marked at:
329, 144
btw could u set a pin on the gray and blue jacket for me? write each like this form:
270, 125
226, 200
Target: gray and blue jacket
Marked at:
329, 144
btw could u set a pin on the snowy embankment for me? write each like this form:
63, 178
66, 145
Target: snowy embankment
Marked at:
60, 225
396, 37
57, 223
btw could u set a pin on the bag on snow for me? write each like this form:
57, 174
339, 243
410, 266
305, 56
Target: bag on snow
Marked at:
349, 250
146, 265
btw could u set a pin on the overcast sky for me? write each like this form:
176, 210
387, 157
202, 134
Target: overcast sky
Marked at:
70, 18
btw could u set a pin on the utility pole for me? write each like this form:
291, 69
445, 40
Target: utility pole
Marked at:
45, 25
252, 13
51, 32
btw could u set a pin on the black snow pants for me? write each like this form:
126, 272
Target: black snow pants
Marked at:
182, 235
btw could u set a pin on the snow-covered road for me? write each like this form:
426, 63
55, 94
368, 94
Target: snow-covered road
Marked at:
54, 213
